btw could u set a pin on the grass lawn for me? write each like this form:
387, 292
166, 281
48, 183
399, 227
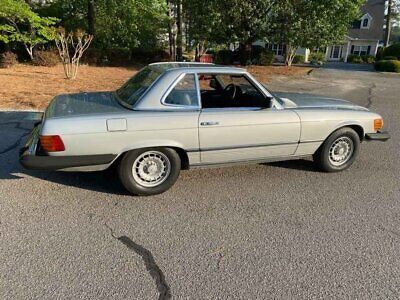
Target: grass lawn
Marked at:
30, 87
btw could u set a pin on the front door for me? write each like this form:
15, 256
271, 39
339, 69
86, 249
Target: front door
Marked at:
237, 124
336, 52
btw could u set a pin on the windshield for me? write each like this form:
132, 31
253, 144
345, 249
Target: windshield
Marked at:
135, 87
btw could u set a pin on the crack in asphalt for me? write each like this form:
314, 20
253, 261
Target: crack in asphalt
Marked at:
370, 90
151, 265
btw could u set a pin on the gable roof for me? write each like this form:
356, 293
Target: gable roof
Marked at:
376, 10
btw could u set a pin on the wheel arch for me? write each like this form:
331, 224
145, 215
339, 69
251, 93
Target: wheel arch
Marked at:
179, 150
356, 127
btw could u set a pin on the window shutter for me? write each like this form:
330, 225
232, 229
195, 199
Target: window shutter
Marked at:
352, 49
369, 50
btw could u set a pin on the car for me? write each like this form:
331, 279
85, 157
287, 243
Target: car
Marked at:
175, 116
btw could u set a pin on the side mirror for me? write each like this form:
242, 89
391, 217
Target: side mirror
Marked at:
213, 83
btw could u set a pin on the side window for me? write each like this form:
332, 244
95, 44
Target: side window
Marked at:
184, 93
230, 91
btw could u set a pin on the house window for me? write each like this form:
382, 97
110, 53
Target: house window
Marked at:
365, 23
278, 49
360, 50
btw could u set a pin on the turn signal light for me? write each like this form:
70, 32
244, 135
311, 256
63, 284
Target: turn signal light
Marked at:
51, 143
378, 124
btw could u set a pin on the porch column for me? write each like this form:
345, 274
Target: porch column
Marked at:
346, 53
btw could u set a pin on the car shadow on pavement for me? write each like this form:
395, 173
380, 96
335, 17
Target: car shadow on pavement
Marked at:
301, 164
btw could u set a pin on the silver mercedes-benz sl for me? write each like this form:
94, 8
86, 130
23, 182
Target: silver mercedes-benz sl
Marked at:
174, 116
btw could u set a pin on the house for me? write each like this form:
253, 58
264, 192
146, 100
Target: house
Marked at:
363, 38
365, 35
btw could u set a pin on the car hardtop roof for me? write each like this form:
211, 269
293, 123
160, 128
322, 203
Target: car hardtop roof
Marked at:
194, 67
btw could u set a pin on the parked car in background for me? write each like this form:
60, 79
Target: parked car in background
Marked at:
175, 116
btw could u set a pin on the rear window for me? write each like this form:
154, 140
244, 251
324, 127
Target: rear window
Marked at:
135, 87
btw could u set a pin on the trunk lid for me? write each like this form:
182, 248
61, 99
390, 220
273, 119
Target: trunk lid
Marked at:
68, 105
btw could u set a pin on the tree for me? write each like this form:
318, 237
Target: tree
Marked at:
245, 21
116, 23
22, 25
204, 25
310, 23
392, 19
77, 41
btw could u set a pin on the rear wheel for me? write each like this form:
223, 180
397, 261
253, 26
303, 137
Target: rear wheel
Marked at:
339, 151
149, 171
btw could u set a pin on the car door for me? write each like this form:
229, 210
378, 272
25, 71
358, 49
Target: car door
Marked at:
231, 134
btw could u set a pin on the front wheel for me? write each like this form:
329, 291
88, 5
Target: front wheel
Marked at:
149, 171
339, 151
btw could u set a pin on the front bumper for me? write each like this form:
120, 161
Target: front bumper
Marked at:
31, 157
379, 136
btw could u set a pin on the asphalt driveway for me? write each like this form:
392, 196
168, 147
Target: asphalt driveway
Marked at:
280, 230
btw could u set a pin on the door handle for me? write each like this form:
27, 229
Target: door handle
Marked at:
211, 123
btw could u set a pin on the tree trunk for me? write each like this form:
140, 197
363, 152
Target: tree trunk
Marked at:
289, 55
388, 23
179, 39
171, 33
245, 53
91, 17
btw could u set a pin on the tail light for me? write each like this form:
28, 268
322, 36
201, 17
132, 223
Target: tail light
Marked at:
51, 143
378, 124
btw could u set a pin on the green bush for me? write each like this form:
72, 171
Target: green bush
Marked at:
267, 57
379, 53
388, 66
390, 58
46, 58
118, 56
299, 59
93, 56
392, 50
369, 59
354, 59
255, 53
149, 55
224, 57
317, 57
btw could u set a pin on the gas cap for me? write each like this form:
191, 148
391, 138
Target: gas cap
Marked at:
116, 125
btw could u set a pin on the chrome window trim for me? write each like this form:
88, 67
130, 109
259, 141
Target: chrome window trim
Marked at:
172, 86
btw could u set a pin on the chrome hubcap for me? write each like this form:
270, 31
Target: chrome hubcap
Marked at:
341, 151
151, 168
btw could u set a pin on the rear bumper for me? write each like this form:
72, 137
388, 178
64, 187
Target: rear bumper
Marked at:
30, 158
39, 162
379, 136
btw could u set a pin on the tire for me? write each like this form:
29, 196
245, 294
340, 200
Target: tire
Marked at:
339, 150
155, 171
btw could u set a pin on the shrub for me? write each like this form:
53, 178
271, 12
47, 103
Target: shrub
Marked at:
354, 59
93, 56
255, 53
299, 59
317, 57
46, 58
388, 66
146, 55
390, 58
369, 59
224, 57
8, 59
379, 53
118, 56
392, 50
267, 57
